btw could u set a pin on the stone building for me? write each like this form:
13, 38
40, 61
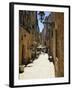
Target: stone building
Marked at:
28, 30
24, 46
55, 40
59, 40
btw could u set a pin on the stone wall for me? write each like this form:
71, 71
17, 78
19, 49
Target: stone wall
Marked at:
55, 40
59, 21
24, 46
28, 32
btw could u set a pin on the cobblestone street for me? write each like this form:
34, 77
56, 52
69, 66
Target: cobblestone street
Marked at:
41, 68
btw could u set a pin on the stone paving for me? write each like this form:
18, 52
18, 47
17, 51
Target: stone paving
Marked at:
41, 68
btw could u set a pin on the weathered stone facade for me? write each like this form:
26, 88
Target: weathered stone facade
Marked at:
28, 34
24, 46
59, 22
55, 40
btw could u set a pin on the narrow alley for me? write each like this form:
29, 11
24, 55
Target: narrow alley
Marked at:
41, 44
41, 68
